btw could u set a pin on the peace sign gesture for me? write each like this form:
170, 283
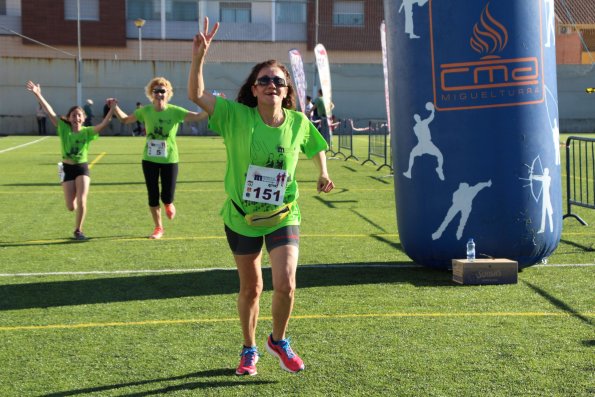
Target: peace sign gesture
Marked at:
202, 41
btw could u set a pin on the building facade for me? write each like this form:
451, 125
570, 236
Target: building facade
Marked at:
144, 38
117, 29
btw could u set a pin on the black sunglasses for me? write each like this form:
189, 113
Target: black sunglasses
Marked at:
159, 91
266, 80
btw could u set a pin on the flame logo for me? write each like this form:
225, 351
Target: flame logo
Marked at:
489, 35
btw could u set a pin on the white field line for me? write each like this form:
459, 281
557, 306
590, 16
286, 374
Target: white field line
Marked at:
231, 269
23, 145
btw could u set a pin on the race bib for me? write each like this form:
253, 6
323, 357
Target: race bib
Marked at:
156, 148
265, 185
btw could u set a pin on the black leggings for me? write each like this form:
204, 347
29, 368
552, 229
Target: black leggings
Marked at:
169, 175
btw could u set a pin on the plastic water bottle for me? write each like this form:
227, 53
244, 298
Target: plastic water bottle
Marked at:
470, 250
61, 171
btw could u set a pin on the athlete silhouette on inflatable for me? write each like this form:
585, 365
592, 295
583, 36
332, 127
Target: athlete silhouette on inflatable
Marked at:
462, 200
424, 142
550, 25
407, 5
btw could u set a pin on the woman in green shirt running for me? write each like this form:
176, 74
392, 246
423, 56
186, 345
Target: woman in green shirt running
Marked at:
74, 141
263, 137
160, 155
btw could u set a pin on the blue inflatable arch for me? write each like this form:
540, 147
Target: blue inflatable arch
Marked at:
474, 128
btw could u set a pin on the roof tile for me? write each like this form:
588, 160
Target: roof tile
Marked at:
579, 12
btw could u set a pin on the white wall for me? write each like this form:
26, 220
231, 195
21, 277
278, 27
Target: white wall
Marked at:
358, 89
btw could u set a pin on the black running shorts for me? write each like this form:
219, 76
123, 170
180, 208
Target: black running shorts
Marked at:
243, 245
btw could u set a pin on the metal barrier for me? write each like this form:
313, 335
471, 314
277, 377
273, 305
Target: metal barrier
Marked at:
580, 171
378, 145
326, 126
344, 132
379, 149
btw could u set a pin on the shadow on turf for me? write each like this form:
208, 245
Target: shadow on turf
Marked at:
168, 389
139, 182
585, 248
211, 282
558, 303
45, 242
64, 241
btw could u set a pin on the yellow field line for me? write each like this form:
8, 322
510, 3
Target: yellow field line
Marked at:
193, 238
300, 317
97, 159
196, 238
178, 189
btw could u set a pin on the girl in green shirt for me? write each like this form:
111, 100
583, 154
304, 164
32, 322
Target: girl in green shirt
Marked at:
74, 142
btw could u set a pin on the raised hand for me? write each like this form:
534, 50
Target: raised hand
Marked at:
202, 41
34, 88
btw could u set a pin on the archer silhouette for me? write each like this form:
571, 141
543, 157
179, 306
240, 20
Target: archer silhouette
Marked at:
546, 207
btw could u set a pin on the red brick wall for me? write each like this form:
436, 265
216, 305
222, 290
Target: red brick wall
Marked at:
43, 20
568, 49
366, 38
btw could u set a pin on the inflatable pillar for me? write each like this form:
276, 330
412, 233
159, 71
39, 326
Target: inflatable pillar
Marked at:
475, 134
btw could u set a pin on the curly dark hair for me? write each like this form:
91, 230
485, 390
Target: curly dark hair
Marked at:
245, 95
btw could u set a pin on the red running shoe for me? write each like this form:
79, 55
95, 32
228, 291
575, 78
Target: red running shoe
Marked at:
288, 360
170, 210
157, 233
248, 360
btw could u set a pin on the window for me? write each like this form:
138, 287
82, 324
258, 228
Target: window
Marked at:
144, 9
348, 13
290, 11
236, 12
182, 10
89, 10
2, 7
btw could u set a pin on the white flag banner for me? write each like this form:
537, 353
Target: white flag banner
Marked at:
299, 77
385, 69
324, 73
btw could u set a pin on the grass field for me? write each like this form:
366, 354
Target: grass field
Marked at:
121, 315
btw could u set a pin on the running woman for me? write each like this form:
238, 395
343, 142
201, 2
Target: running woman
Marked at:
160, 155
263, 137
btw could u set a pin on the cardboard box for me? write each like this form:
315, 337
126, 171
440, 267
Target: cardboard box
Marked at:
485, 271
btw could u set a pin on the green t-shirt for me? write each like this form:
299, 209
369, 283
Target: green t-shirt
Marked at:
320, 106
162, 128
75, 146
248, 140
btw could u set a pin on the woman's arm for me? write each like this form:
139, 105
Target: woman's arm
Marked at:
123, 117
108, 117
324, 184
36, 90
196, 86
194, 117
